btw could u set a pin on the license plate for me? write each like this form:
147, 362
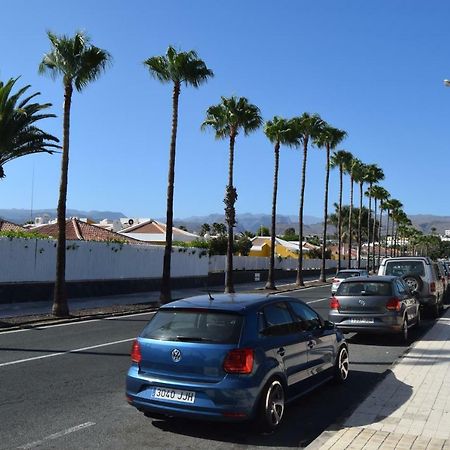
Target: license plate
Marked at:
174, 395
361, 320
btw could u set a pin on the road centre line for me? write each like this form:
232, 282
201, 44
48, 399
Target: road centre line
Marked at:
51, 355
57, 435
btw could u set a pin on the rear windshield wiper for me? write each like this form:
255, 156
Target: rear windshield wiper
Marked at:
193, 338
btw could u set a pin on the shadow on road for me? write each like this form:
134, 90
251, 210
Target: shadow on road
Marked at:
305, 419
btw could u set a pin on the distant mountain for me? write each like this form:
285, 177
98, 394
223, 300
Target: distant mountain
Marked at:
425, 222
20, 216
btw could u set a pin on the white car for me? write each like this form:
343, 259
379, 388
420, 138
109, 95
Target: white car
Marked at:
344, 274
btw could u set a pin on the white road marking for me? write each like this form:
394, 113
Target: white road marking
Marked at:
78, 322
318, 300
57, 435
52, 355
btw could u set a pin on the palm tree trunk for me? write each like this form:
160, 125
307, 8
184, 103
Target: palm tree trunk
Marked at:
380, 237
368, 229
323, 276
165, 294
350, 230
359, 223
299, 280
60, 306
341, 173
230, 217
374, 231
270, 279
387, 234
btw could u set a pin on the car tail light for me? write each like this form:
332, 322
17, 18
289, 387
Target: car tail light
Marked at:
334, 303
433, 286
239, 360
393, 304
136, 355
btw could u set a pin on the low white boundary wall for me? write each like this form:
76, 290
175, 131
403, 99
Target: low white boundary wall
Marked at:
34, 260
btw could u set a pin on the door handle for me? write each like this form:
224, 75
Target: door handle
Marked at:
311, 344
281, 351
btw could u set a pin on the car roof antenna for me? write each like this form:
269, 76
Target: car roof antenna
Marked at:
210, 296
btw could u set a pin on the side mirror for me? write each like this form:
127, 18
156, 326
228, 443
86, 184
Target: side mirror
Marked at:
327, 325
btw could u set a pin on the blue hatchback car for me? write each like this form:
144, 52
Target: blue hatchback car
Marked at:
233, 357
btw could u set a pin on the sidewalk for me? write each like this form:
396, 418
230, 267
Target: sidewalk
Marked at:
149, 299
410, 408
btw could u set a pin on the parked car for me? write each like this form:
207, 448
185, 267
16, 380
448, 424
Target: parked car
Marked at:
422, 275
376, 304
233, 358
343, 275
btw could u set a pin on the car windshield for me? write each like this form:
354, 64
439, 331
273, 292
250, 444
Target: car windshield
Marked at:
365, 288
194, 325
401, 268
345, 274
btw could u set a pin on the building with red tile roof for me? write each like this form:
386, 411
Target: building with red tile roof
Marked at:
78, 230
9, 226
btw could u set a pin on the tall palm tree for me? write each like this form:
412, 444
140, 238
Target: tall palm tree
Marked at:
359, 175
395, 207
177, 68
308, 126
19, 135
79, 63
227, 118
340, 159
378, 193
384, 197
374, 175
279, 131
329, 138
351, 168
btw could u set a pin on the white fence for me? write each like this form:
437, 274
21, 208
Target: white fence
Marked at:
34, 260
217, 263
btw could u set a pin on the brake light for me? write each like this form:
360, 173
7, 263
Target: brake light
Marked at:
433, 286
136, 355
334, 303
239, 360
393, 304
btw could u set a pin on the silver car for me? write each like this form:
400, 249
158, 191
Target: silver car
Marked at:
343, 275
376, 304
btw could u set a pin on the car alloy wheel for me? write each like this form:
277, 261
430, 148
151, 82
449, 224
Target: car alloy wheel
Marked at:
342, 365
273, 406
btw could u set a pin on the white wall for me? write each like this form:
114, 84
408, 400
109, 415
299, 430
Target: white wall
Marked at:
33, 260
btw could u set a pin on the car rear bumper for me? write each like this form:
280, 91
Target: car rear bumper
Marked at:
369, 324
429, 300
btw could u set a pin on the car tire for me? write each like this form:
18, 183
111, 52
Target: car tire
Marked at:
341, 366
435, 310
271, 406
418, 319
404, 333
414, 282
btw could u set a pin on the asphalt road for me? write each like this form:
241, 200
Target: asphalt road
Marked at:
63, 387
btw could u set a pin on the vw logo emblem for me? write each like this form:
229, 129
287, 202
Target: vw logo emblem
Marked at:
176, 355
362, 302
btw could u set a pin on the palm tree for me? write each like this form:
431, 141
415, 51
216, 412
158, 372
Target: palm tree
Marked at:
176, 68
374, 175
359, 175
79, 63
279, 131
340, 159
227, 119
378, 193
308, 127
329, 138
383, 197
351, 168
19, 136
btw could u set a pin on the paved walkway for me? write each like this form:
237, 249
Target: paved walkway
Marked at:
151, 297
410, 408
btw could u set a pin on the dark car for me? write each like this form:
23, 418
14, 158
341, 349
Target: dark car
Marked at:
233, 358
376, 304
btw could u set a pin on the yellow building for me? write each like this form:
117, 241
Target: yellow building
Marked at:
285, 249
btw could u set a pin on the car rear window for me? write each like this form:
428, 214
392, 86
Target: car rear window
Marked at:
344, 275
194, 325
400, 268
365, 288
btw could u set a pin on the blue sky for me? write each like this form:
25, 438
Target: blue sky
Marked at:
374, 69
